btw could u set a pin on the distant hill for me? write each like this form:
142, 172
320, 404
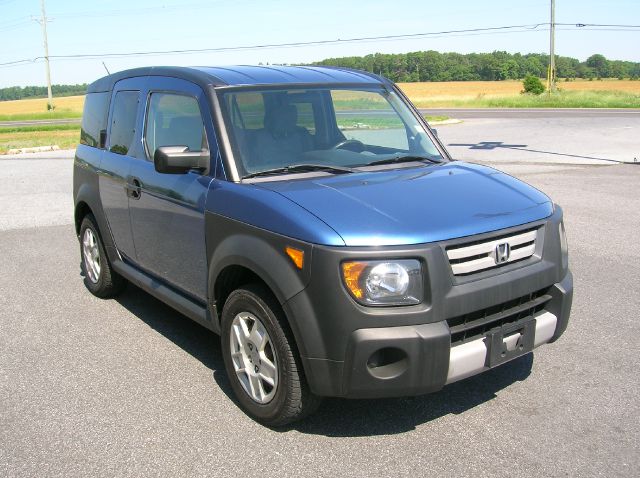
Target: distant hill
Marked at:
499, 65
20, 93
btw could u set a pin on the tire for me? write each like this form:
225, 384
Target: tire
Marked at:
247, 315
99, 277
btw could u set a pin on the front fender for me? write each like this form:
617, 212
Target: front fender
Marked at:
233, 243
266, 258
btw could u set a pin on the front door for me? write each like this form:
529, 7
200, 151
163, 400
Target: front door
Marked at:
167, 217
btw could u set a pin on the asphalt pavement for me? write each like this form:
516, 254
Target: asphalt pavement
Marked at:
129, 387
555, 140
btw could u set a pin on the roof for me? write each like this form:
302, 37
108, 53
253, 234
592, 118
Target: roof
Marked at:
244, 75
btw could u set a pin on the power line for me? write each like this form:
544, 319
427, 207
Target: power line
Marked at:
582, 25
278, 45
461, 32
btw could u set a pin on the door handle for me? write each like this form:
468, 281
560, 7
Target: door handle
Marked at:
133, 188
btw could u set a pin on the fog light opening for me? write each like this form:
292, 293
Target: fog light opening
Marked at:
387, 363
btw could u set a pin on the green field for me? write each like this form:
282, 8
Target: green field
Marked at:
64, 136
560, 99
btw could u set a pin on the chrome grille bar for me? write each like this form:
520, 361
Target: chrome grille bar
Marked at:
485, 255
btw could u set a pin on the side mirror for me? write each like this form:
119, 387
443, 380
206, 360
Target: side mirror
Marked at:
179, 160
435, 132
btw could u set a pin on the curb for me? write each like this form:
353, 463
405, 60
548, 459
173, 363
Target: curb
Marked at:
50, 154
445, 122
36, 149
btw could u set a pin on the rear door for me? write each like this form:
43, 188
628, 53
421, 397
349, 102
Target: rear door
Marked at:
122, 132
167, 217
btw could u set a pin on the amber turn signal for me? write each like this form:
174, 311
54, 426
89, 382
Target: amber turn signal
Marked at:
296, 255
351, 271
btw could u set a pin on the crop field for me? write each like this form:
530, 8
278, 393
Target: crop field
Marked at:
428, 94
36, 108
609, 93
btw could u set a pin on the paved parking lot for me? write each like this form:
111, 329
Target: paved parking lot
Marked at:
128, 387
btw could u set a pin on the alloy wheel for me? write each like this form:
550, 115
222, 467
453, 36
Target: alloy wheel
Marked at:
254, 358
91, 255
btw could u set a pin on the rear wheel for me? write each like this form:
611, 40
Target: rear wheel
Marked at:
101, 280
261, 360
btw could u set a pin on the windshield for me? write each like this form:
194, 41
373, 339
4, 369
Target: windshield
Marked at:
273, 129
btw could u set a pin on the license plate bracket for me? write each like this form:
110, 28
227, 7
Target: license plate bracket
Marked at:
505, 344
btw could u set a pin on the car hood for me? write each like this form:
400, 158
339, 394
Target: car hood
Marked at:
416, 205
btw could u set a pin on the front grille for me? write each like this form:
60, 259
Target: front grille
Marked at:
498, 251
478, 323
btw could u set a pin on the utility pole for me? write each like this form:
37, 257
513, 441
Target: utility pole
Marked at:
43, 23
551, 75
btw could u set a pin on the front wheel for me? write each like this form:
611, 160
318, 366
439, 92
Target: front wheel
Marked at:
260, 358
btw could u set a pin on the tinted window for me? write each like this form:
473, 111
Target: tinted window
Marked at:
247, 111
123, 124
275, 128
174, 120
369, 117
94, 118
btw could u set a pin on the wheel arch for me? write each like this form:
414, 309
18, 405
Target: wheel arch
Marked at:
243, 259
87, 201
82, 209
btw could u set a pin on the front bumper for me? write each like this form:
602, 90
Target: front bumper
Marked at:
419, 359
354, 351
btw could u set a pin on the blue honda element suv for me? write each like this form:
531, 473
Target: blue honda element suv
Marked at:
312, 219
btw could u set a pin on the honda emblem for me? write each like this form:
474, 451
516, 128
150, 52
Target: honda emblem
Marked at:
502, 253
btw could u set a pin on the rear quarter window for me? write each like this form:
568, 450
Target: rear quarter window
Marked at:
94, 118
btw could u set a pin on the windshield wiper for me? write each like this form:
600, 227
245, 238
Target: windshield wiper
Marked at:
406, 158
300, 168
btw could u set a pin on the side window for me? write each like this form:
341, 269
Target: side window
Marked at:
247, 110
174, 120
377, 124
94, 118
123, 122
305, 116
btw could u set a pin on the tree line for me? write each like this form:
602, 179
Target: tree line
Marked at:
21, 92
429, 66
499, 65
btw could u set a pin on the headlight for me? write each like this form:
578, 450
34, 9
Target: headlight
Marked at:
384, 282
564, 246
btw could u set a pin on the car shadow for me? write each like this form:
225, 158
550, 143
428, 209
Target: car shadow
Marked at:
335, 417
199, 342
491, 145
349, 418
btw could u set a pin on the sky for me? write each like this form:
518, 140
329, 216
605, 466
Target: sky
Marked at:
120, 26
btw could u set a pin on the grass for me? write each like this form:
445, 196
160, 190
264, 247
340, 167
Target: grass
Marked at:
495, 94
64, 138
36, 128
368, 122
561, 99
